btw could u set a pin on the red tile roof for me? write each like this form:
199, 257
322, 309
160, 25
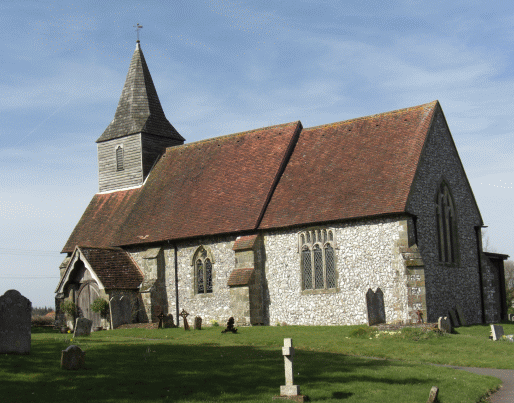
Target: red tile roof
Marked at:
266, 178
215, 186
356, 168
114, 267
245, 242
239, 277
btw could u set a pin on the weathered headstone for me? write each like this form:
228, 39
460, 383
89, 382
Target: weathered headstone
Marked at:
444, 325
15, 312
72, 358
432, 397
198, 323
376, 307
497, 332
82, 327
230, 326
462, 318
453, 316
184, 315
168, 321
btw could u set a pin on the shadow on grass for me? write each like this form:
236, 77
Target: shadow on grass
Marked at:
143, 372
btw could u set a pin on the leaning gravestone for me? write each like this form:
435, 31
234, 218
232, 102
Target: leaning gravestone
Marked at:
15, 321
462, 318
444, 325
82, 327
497, 332
453, 317
72, 358
376, 308
198, 323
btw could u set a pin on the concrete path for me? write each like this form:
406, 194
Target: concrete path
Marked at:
506, 393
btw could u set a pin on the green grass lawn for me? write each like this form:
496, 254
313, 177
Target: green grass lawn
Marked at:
139, 365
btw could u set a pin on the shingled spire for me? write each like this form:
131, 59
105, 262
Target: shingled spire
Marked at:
139, 109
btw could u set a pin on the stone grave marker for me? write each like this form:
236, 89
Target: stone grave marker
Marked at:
72, 358
15, 321
168, 321
497, 332
198, 323
444, 324
82, 327
511, 317
376, 308
453, 316
184, 315
462, 318
289, 391
432, 397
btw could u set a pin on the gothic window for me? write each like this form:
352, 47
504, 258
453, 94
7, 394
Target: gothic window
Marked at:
317, 259
119, 158
446, 225
202, 262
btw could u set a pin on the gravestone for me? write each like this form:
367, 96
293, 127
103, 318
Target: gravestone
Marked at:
453, 316
168, 321
161, 317
230, 326
72, 358
444, 325
462, 318
290, 391
376, 308
184, 315
511, 317
82, 327
432, 397
15, 321
198, 323
497, 332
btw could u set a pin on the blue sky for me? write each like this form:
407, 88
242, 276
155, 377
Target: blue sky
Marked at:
224, 66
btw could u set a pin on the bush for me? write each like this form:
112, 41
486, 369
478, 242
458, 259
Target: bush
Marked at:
100, 306
362, 331
214, 323
42, 321
69, 307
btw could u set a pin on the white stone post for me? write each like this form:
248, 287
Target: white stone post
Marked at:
288, 352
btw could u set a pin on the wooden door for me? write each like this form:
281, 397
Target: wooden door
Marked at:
88, 292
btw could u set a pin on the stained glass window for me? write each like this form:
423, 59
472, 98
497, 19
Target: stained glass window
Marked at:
199, 276
446, 225
208, 276
307, 269
203, 271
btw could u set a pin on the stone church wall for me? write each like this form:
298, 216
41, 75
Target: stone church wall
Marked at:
367, 256
447, 285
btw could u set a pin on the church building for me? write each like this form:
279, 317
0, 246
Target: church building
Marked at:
337, 224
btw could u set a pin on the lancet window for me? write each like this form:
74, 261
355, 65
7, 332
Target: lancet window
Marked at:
119, 158
317, 259
202, 262
446, 225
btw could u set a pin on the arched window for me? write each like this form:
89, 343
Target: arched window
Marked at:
202, 262
446, 225
119, 158
317, 259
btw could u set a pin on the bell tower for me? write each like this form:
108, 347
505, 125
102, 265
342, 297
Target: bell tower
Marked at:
138, 134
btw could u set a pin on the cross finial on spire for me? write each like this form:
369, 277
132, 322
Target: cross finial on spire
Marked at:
138, 27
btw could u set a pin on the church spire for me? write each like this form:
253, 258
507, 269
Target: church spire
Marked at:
139, 109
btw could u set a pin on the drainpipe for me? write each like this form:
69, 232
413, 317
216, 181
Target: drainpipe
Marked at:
176, 281
478, 233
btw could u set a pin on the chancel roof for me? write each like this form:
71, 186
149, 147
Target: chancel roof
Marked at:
139, 109
268, 178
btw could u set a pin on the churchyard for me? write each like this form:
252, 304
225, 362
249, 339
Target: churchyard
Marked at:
330, 364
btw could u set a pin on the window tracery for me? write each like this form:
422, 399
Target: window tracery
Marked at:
202, 262
317, 259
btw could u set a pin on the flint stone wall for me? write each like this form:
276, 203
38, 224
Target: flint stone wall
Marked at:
447, 285
366, 255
